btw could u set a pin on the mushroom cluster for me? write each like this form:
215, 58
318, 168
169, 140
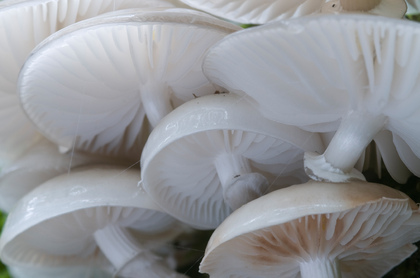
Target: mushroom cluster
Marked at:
127, 126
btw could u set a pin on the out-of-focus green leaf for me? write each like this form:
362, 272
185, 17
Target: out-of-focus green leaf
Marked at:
3, 270
414, 17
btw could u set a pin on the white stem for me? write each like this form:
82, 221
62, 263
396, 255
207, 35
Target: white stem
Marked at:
117, 244
320, 268
354, 134
240, 184
156, 101
128, 257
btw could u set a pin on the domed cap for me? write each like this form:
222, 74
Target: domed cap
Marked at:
357, 71
26, 172
94, 217
213, 154
23, 25
101, 84
355, 229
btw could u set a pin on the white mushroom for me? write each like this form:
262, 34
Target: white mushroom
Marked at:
356, 74
263, 11
215, 153
354, 229
94, 217
38, 164
257, 12
97, 84
24, 24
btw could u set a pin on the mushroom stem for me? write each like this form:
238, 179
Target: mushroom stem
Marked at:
156, 101
355, 132
125, 253
320, 268
240, 184
117, 245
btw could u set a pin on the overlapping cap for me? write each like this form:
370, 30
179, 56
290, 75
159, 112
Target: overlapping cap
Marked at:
330, 69
23, 25
316, 229
213, 154
101, 85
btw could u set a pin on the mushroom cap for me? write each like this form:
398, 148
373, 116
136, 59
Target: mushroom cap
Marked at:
24, 24
178, 163
53, 225
264, 11
368, 227
388, 8
326, 67
256, 12
26, 172
84, 85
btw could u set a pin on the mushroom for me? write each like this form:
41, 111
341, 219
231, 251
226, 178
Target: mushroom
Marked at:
354, 74
215, 153
257, 12
110, 76
94, 217
264, 11
24, 24
38, 164
317, 229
